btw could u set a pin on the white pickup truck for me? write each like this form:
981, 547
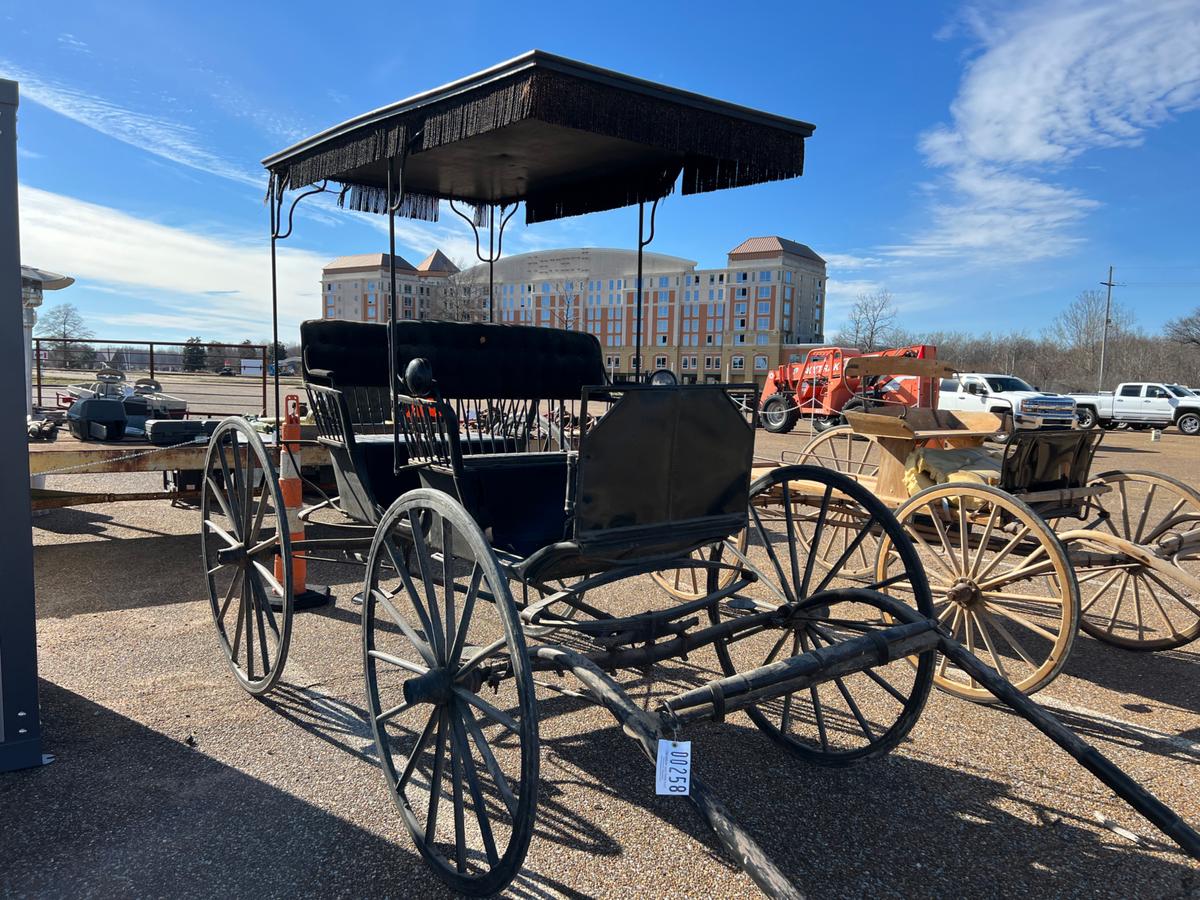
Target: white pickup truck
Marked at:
1141, 404
1006, 395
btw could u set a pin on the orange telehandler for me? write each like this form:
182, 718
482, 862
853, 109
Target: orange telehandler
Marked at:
832, 379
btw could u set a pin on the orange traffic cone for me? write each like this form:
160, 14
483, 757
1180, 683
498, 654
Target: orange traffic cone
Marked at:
292, 489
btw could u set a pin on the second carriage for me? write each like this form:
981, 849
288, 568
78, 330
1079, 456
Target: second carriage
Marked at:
1026, 549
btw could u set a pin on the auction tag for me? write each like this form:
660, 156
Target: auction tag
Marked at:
673, 769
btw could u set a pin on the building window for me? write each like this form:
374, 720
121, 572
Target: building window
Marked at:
762, 323
664, 281
742, 276
762, 339
739, 309
764, 307
741, 323
787, 293
760, 363
763, 293
787, 277
633, 362
660, 362
738, 363
764, 276
661, 340
329, 287
742, 292
739, 338
712, 362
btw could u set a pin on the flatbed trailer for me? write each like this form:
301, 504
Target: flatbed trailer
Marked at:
70, 456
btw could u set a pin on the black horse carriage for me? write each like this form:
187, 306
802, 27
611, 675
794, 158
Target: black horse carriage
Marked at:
508, 502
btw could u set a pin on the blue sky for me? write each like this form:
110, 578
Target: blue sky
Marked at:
984, 162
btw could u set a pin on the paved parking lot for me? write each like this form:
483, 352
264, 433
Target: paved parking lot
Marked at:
170, 781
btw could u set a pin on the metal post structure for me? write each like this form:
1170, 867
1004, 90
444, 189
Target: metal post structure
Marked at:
1104, 337
20, 724
642, 244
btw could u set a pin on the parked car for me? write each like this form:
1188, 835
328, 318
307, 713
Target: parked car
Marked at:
1007, 395
1141, 404
228, 370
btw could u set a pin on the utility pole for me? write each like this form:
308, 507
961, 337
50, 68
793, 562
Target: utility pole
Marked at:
1104, 337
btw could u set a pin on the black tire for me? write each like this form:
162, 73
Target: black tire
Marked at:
437, 627
795, 525
824, 423
241, 537
1189, 424
1087, 417
779, 414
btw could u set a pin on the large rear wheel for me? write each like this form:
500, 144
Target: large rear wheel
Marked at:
798, 514
440, 625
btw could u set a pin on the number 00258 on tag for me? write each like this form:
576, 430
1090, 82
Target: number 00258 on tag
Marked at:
673, 770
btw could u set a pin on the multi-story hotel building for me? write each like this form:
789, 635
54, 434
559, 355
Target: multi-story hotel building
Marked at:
358, 287
733, 323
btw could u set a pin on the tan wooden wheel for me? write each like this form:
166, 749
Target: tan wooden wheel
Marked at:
1001, 583
691, 584
1137, 559
843, 450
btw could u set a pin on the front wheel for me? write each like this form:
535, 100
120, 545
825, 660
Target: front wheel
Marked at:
1087, 418
779, 416
440, 625
1189, 424
1001, 580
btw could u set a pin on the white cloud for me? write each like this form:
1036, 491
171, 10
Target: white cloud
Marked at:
850, 261
213, 286
163, 137
1050, 83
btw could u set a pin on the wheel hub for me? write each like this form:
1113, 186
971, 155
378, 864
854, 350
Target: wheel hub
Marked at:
236, 556
435, 686
965, 593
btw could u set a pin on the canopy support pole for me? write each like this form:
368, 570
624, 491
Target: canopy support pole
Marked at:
392, 205
495, 245
642, 244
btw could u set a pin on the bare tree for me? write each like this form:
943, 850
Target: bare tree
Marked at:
63, 321
1185, 330
1078, 331
462, 297
872, 322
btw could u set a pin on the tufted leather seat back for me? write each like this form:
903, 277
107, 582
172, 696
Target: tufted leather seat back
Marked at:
470, 360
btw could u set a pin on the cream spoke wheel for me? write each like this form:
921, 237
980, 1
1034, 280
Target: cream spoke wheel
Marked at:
1137, 553
690, 584
1002, 584
842, 450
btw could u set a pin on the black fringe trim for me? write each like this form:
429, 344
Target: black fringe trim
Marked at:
714, 151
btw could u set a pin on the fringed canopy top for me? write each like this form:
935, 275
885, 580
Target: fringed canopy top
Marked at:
562, 136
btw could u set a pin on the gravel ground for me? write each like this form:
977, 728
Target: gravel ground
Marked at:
169, 780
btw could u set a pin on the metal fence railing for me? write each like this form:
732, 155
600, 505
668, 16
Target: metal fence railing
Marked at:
186, 370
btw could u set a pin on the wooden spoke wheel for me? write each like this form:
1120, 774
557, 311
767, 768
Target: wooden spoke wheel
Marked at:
247, 555
1001, 584
692, 584
450, 693
1137, 559
842, 450
793, 510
